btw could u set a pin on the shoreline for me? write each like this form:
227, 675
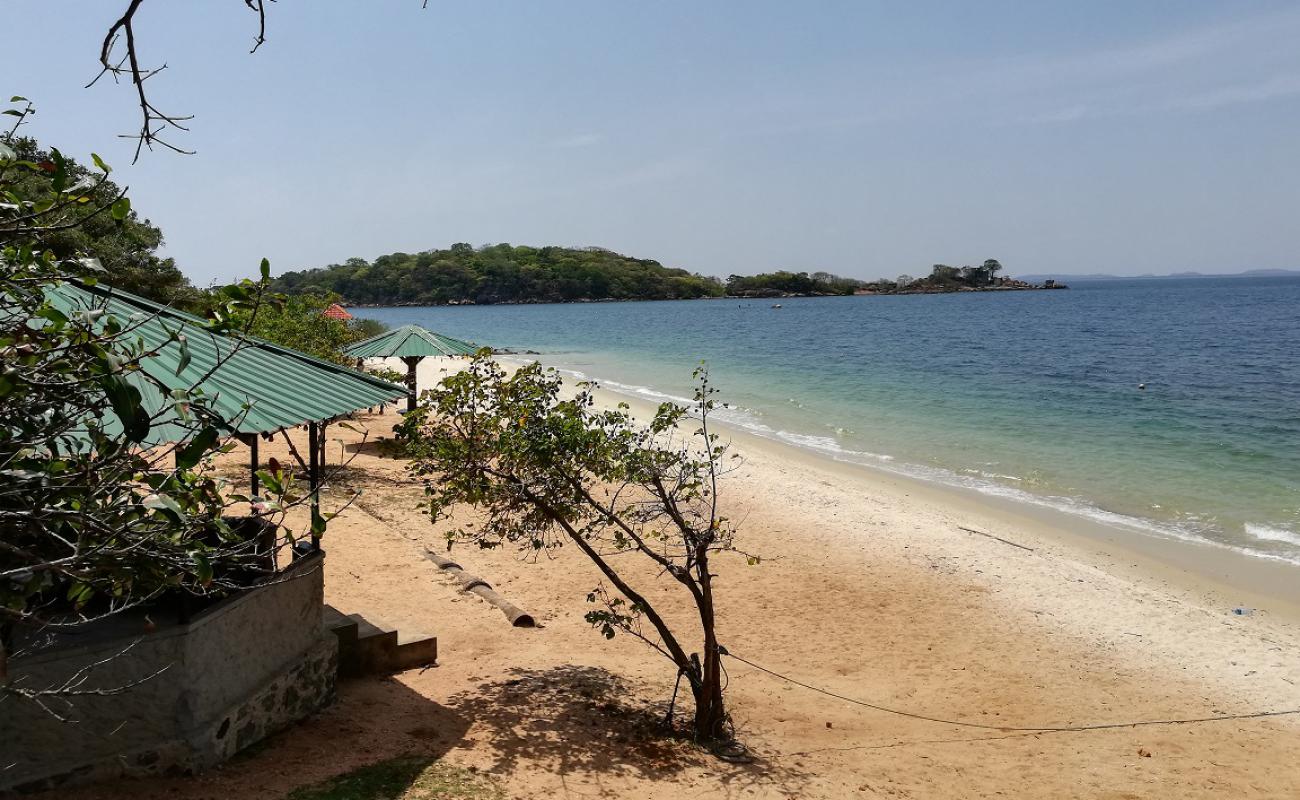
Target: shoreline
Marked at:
1050, 617
1234, 579
749, 297
1216, 575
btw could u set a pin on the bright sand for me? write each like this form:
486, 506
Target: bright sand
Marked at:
870, 588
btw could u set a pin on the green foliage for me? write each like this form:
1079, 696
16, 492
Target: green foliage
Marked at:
106, 226
95, 517
302, 325
404, 778
547, 471
365, 328
390, 375
500, 274
299, 322
942, 278
776, 284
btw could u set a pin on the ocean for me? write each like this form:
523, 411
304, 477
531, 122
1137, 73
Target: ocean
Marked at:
1034, 396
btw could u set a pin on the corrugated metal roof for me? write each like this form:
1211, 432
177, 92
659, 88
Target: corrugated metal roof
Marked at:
259, 387
410, 340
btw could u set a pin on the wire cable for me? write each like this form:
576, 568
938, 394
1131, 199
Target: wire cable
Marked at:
1009, 728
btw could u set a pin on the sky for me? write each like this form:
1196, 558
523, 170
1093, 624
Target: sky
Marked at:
869, 139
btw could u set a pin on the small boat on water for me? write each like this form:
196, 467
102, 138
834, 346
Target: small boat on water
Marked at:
776, 305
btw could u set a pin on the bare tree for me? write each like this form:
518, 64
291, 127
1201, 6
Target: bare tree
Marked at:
119, 58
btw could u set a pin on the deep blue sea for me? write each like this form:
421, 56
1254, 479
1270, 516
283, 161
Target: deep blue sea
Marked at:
1031, 395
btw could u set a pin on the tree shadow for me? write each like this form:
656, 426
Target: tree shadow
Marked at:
403, 778
581, 719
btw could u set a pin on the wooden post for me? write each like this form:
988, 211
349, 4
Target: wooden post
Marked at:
253, 463
411, 363
313, 477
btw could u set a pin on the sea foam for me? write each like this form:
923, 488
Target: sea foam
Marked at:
1266, 534
990, 484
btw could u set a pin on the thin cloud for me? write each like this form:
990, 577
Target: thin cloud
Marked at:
1160, 74
1070, 114
663, 170
1275, 88
580, 140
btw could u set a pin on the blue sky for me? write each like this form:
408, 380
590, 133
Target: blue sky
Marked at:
868, 139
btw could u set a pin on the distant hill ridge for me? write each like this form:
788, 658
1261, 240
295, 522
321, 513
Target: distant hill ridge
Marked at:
500, 273
1096, 276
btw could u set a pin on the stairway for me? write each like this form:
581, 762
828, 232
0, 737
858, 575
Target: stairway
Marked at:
369, 646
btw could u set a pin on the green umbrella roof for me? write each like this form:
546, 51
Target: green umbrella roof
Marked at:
408, 341
259, 387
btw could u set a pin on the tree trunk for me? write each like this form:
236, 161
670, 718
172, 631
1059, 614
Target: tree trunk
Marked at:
411, 363
710, 713
711, 724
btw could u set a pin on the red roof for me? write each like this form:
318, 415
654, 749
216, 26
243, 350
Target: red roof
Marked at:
336, 311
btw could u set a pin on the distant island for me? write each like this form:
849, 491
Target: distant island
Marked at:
502, 273
507, 274
1250, 273
942, 279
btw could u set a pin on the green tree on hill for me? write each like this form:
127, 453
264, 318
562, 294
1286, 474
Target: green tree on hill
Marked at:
500, 273
126, 248
783, 282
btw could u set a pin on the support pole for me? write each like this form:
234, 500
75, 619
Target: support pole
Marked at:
411, 363
253, 484
313, 477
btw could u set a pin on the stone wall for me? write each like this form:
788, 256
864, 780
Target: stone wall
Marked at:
236, 673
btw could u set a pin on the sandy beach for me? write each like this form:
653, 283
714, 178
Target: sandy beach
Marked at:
876, 587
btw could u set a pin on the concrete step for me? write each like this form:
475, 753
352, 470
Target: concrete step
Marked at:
415, 650
368, 645
339, 623
376, 644
345, 629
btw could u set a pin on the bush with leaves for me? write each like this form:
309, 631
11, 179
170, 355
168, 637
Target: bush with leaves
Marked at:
298, 323
96, 517
365, 328
126, 247
547, 470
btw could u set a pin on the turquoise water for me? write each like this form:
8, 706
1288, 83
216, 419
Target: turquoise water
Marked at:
1030, 395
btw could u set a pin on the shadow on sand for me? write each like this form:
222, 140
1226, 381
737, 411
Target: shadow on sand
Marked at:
580, 720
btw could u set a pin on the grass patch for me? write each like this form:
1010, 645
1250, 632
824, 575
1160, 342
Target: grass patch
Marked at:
404, 778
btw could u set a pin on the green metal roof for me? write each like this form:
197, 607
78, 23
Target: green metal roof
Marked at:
259, 387
410, 340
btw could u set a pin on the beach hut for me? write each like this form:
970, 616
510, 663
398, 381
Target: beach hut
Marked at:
412, 344
257, 387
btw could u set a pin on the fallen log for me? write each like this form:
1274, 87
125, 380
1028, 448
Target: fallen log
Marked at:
476, 585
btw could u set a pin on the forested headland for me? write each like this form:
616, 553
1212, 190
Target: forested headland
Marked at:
784, 283
504, 273
500, 273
